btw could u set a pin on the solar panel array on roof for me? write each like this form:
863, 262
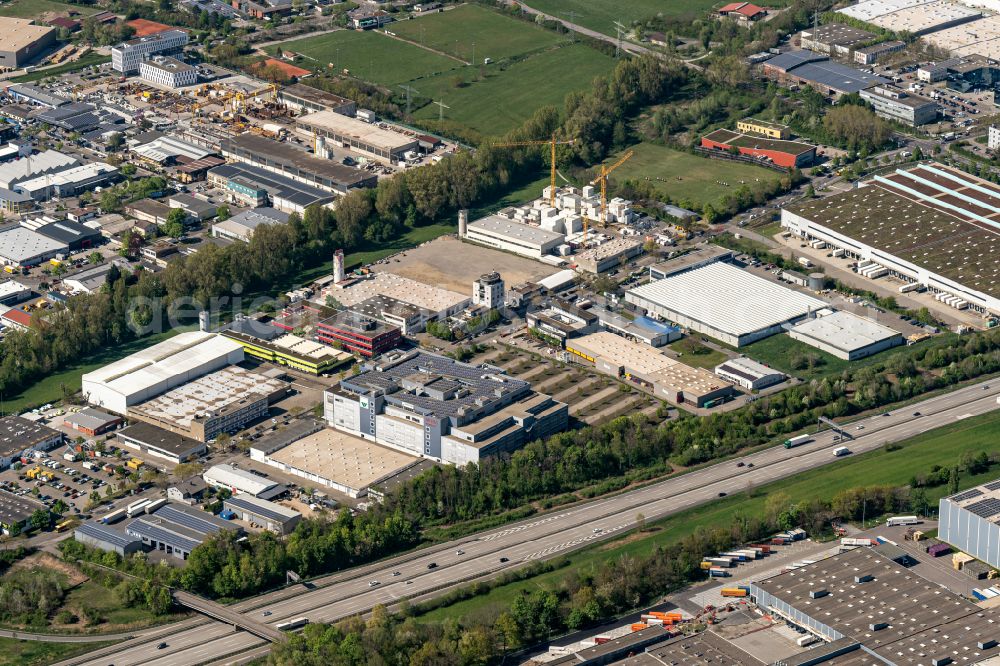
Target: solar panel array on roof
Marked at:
98, 531
184, 519
985, 508
992, 485
968, 494
142, 527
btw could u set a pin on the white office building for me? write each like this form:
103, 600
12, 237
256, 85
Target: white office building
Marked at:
993, 138
126, 57
488, 291
168, 72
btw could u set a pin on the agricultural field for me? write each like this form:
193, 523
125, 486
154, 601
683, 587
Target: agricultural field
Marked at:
36, 8
600, 15
505, 98
370, 55
686, 177
943, 446
531, 67
495, 36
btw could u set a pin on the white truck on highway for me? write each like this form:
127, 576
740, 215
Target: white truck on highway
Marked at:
841, 451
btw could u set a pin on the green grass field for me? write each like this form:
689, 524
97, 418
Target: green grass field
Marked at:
35, 8
777, 350
495, 36
684, 176
507, 97
370, 55
696, 354
31, 653
943, 446
600, 15
487, 99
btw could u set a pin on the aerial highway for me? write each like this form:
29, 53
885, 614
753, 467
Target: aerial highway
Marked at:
433, 570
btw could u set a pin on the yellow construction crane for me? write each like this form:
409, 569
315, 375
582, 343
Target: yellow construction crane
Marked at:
602, 178
545, 142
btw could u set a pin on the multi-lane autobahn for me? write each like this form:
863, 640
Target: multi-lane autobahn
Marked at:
430, 571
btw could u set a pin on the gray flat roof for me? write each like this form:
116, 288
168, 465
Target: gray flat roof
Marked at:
150, 435
18, 434
501, 226
107, 534
16, 509
91, 418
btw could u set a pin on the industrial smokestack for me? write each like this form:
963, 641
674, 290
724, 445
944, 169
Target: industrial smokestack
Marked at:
338, 266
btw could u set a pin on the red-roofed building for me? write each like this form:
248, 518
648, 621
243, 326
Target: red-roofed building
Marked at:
145, 28
743, 11
287, 68
65, 22
15, 318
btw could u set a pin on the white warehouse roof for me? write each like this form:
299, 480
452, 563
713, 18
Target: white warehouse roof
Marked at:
496, 225
49, 161
243, 481
159, 368
845, 330
358, 129
728, 298
19, 245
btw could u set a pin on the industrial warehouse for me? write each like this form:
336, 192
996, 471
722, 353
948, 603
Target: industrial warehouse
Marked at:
667, 378
223, 401
724, 302
298, 165
930, 225
432, 406
366, 138
337, 460
868, 609
780, 152
968, 521
157, 369
845, 335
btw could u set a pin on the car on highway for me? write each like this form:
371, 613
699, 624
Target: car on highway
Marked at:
161, 646
432, 565
597, 530
916, 413
460, 552
372, 583
860, 427
504, 559
722, 494
395, 573
267, 613
749, 464
740, 464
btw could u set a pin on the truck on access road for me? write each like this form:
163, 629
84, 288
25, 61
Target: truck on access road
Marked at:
797, 441
902, 520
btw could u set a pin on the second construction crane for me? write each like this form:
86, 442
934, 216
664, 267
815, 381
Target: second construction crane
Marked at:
544, 142
602, 178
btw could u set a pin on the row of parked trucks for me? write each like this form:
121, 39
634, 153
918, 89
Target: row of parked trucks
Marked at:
134, 509
718, 566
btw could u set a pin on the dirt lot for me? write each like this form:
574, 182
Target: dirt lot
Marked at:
451, 264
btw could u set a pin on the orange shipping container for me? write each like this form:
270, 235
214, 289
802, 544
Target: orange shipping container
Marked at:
639, 626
